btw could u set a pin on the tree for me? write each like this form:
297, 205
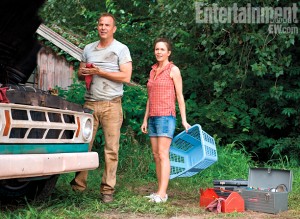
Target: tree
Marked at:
241, 82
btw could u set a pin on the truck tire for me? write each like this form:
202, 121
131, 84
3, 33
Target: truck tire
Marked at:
34, 189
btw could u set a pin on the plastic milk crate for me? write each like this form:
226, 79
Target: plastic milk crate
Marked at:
191, 152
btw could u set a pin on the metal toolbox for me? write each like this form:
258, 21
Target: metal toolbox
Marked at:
268, 190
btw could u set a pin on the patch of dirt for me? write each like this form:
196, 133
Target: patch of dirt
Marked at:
204, 215
145, 189
208, 215
189, 202
118, 215
185, 198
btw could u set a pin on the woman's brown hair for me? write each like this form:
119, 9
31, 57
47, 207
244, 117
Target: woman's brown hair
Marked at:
165, 41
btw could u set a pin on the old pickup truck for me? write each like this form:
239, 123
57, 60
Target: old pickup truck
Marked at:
41, 135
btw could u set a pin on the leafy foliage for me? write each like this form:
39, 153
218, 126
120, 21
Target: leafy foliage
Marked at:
240, 82
238, 88
75, 92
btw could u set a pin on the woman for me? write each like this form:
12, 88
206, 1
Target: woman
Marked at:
164, 86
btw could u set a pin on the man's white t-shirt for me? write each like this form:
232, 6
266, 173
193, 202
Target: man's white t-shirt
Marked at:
108, 59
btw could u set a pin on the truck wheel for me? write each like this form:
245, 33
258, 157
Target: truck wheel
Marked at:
34, 189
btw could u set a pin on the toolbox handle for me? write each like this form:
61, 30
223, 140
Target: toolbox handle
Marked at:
253, 199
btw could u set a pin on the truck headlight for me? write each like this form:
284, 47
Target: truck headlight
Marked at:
87, 129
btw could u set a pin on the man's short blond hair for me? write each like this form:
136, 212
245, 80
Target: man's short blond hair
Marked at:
106, 14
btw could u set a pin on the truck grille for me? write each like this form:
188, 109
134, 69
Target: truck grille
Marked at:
34, 124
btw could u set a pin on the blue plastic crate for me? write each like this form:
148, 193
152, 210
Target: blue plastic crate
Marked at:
192, 152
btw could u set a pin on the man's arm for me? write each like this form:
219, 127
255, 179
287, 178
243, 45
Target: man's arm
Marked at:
123, 76
80, 71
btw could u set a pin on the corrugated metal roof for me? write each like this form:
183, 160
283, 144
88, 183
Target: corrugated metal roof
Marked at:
59, 41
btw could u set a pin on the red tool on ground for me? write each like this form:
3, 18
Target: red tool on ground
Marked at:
232, 202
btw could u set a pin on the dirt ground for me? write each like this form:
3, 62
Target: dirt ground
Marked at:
190, 209
204, 215
189, 202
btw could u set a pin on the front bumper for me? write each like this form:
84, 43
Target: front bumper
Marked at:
33, 165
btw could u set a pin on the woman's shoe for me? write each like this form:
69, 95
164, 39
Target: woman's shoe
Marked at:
150, 196
157, 199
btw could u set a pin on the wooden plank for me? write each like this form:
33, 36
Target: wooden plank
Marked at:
59, 41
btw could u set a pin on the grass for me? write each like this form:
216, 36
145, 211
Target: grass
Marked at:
136, 177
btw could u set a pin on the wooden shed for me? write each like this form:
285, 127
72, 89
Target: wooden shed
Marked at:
54, 70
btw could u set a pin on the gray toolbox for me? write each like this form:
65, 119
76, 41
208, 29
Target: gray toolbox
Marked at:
267, 190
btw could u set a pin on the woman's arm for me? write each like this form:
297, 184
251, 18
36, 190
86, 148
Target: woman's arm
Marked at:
176, 76
144, 126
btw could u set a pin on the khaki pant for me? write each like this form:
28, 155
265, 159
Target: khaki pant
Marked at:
109, 115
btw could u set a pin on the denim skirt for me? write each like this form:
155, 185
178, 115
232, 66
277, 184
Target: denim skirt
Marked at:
162, 126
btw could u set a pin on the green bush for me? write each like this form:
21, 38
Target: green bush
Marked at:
240, 82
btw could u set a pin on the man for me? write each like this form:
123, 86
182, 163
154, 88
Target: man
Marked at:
111, 66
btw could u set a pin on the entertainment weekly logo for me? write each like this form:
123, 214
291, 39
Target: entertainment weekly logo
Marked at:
281, 20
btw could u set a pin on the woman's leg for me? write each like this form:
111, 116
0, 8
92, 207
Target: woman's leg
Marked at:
163, 127
163, 147
155, 152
